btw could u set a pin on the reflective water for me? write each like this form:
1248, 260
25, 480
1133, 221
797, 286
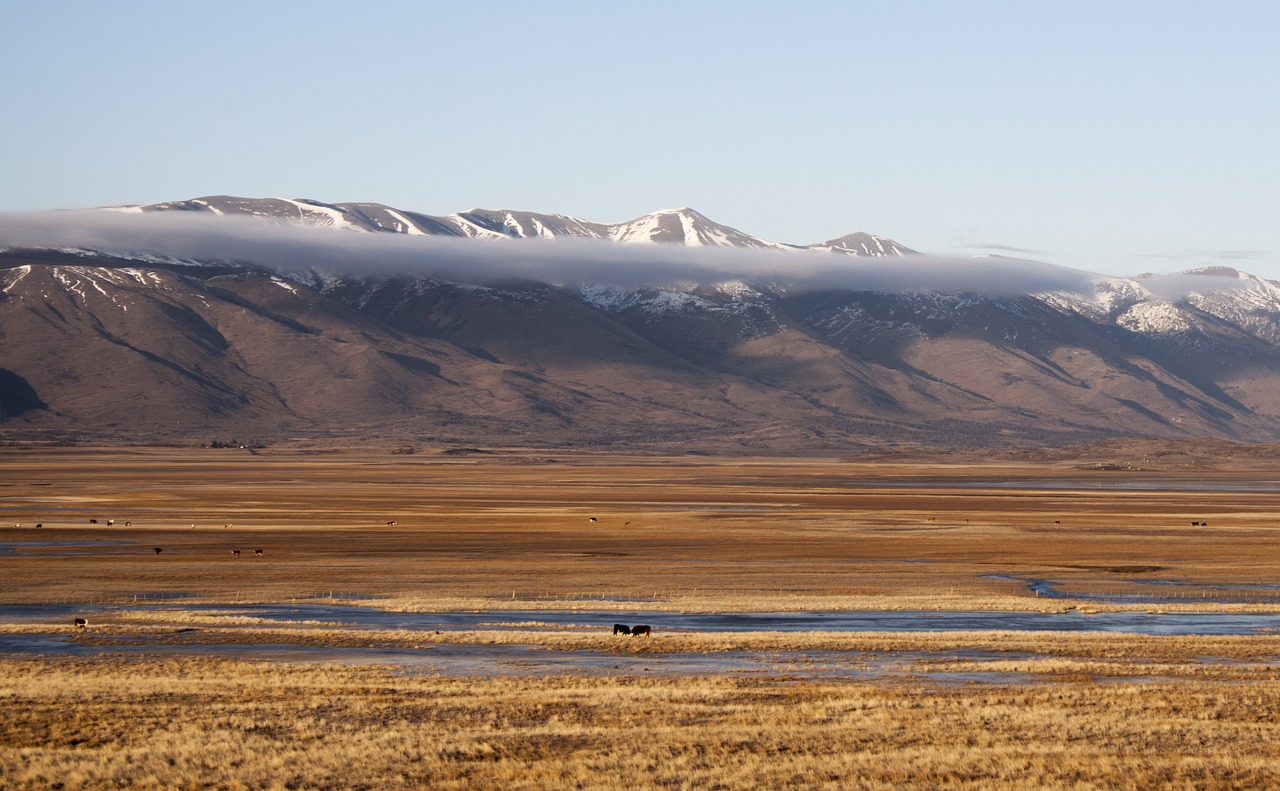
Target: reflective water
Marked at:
462, 659
352, 616
1166, 591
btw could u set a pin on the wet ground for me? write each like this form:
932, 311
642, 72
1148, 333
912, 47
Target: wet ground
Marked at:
467, 659
357, 617
1156, 592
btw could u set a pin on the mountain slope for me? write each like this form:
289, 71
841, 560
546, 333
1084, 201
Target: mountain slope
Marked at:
105, 346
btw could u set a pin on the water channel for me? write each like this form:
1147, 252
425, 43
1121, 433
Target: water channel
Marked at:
464, 659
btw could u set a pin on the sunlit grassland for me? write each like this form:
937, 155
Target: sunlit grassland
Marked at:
229, 724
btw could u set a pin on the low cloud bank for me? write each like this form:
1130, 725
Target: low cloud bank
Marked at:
289, 248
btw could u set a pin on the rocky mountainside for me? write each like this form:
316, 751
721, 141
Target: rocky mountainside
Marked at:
98, 344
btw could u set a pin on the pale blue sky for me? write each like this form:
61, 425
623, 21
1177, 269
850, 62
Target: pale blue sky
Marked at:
1112, 136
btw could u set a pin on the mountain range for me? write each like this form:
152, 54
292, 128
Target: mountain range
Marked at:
104, 341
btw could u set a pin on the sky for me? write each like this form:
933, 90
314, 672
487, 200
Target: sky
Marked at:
1114, 137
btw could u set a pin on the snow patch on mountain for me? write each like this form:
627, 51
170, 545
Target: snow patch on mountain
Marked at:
14, 277
1155, 317
321, 215
863, 244
659, 302
404, 225
1251, 303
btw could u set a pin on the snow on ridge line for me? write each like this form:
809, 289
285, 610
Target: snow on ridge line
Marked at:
410, 228
696, 229
472, 229
337, 217
218, 212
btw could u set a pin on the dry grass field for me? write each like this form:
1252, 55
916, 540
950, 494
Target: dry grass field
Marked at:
516, 531
225, 724
487, 530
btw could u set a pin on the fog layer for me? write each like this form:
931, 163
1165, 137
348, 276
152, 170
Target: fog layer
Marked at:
290, 248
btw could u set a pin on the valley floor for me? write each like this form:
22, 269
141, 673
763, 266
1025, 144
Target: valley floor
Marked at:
154, 693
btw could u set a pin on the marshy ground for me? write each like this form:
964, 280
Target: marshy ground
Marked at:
154, 692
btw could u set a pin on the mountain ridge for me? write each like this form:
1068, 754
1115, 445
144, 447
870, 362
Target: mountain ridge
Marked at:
99, 345
682, 225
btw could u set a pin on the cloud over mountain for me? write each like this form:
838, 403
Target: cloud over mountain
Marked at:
292, 248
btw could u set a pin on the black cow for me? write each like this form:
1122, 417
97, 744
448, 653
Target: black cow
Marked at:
621, 628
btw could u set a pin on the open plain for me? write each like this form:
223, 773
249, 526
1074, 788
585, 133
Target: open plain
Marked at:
160, 688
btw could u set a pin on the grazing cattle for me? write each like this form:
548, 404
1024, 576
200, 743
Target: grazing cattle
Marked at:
621, 628
93, 521
110, 522
1195, 524
391, 523
593, 519
39, 524
81, 623
158, 550
235, 553
933, 519
626, 524
257, 551
227, 526
128, 524
636, 631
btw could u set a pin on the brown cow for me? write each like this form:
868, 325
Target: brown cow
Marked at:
235, 553
642, 629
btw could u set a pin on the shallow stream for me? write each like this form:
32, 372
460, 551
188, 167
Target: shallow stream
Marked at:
468, 659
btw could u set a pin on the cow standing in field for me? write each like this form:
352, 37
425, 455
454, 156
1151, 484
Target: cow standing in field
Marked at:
642, 629
81, 623
621, 628
258, 552
158, 550
235, 553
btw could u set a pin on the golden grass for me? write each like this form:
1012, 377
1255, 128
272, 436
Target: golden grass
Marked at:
226, 724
